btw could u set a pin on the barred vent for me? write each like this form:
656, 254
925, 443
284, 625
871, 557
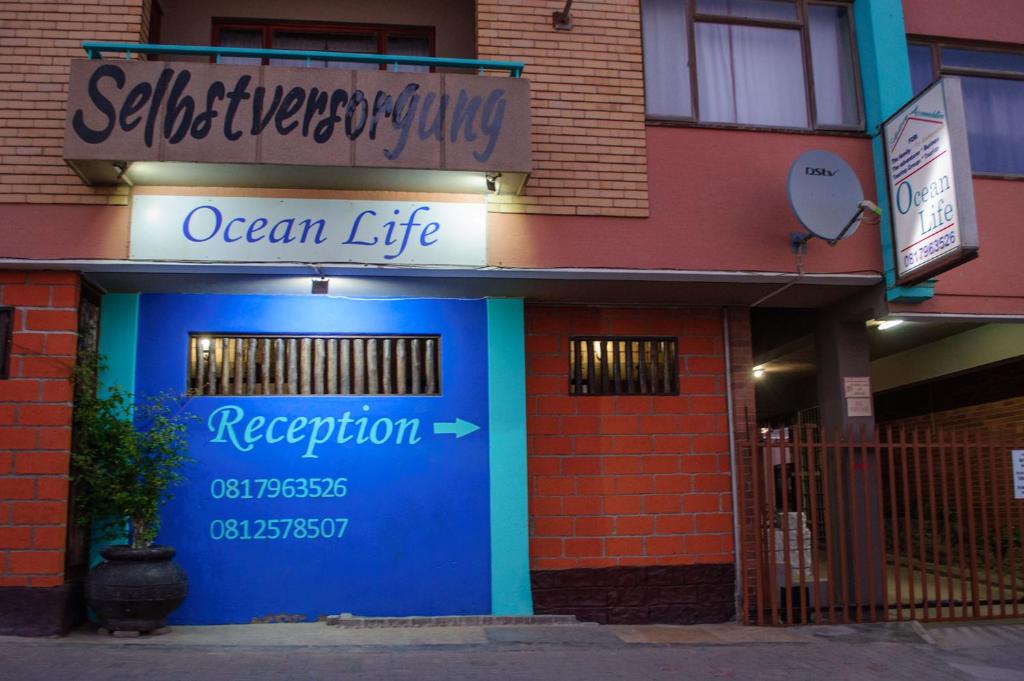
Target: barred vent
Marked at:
314, 365
6, 333
623, 366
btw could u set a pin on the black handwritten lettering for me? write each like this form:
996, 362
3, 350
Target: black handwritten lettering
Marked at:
102, 104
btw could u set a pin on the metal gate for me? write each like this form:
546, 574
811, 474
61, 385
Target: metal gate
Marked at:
889, 524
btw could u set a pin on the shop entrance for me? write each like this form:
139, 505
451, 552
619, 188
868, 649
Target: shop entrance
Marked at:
910, 513
341, 454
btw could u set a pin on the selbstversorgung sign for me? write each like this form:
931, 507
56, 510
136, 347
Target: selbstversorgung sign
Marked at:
931, 194
232, 229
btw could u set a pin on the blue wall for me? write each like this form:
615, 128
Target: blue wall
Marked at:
418, 525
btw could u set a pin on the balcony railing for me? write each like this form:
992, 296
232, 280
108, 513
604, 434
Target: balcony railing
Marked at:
96, 50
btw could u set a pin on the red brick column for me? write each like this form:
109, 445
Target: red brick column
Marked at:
35, 441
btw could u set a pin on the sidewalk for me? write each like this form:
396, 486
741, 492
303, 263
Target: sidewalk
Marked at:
537, 652
317, 634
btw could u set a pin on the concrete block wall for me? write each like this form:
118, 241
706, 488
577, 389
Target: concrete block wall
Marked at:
35, 426
627, 480
587, 85
39, 41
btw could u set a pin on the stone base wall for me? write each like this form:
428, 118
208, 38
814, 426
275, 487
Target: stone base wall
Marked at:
673, 594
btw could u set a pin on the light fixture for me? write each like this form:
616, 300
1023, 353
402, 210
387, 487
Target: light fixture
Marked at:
759, 371
493, 182
889, 323
562, 20
320, 286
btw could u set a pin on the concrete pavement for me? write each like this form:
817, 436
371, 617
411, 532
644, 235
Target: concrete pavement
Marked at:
533, 652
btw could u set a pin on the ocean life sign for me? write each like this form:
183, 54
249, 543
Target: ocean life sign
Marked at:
931, 194
233, 229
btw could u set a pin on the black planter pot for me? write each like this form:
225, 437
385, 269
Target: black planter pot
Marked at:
136, 589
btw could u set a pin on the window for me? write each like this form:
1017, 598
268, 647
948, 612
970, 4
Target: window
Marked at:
6, 332
313, 365
604, 365
775, 63
993, 86
361, 38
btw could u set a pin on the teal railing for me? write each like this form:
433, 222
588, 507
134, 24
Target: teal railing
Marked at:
96, 50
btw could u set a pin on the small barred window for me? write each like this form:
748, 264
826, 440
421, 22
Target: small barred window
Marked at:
314, 365
623, 366
6, 332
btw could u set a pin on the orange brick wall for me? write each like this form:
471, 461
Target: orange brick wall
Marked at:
632, 480
589, 146
39, 39
35, 426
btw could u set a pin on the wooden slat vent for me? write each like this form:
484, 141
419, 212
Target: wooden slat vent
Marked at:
314, 365
603, 365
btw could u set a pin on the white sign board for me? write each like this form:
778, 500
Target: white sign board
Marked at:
231, 229
1018, 473
857, 386
931, 198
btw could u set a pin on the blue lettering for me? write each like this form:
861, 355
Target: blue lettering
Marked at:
253, 234
355, 228
276, 238
186, 226
227, 230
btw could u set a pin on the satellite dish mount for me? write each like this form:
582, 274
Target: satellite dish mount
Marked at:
823, 189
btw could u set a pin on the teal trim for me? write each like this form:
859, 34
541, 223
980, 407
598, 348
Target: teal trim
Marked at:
885, 77
510, 545
96, 49
119, 330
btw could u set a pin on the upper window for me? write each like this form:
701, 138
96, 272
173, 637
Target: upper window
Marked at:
360, 38
993, 86
775, 63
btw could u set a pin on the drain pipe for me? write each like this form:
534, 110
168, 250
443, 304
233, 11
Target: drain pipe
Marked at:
736, 515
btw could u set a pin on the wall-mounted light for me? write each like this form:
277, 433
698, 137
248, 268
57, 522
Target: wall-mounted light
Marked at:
759, 371
493, 182
889, 323
562, 20
320, 286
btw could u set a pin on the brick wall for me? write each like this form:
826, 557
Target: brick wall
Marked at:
589, 144
635, 480
35, 426
39, 39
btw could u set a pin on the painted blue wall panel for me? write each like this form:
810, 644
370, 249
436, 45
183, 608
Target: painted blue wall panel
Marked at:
417, 539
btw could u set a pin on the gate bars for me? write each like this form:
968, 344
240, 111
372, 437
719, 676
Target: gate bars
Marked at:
884, 524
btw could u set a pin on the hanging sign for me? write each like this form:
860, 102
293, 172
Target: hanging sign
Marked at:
1018, 473
227, 229
931, 194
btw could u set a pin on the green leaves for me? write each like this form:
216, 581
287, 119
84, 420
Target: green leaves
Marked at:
126, 457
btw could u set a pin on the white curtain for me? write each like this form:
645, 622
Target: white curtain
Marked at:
666, 58
324, 42
832, 62
409, 46
752, 9
995, 109
229, 37
750, 75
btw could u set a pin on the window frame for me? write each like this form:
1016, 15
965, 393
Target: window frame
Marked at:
801, 24
935, 46
268, 26
7, 315
673, 365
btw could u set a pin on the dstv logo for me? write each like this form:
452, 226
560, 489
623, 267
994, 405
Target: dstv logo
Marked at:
819, 171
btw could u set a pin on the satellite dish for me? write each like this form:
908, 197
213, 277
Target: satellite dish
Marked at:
824, 193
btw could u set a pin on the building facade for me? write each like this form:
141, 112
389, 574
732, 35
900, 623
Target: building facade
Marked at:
486, 315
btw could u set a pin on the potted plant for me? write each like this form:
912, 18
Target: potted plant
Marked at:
124, 462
